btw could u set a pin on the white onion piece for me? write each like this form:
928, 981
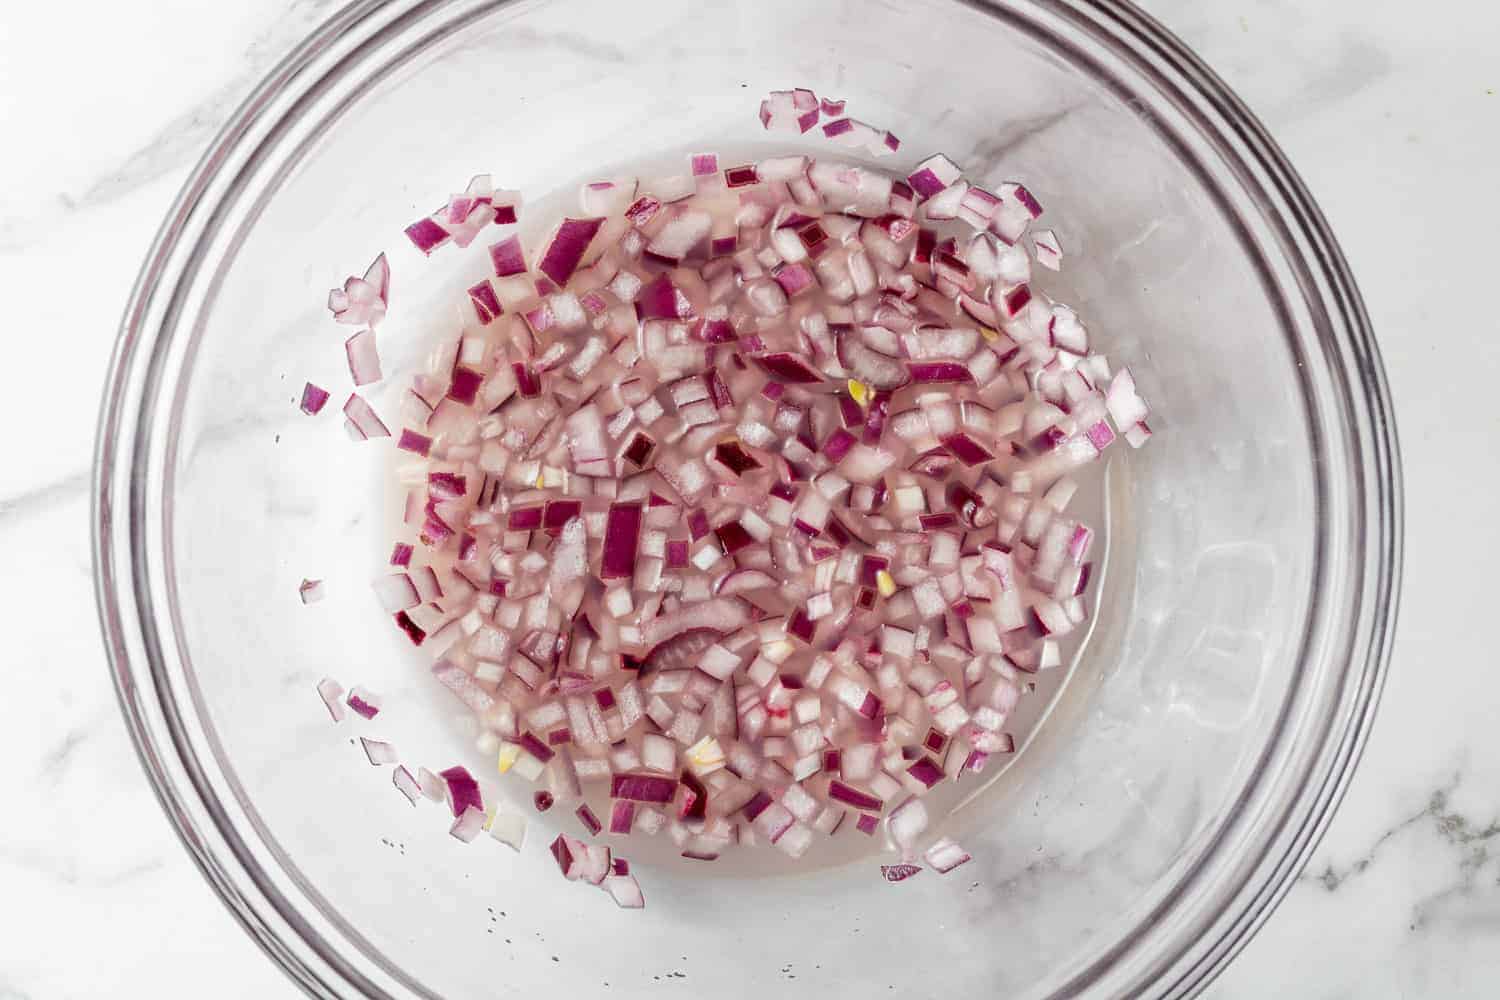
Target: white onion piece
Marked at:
1048, 249
607, 198
906, 824
332, 694
468, 826
434, 789
625, 891
378, 751
406, 784
945, 855
363, 301
509, 828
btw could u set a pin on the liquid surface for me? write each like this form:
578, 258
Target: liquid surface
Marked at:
1044, 688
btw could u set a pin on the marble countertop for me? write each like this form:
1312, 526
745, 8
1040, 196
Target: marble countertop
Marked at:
1392, 116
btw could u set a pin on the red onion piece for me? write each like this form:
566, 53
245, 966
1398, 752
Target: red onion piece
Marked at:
589, 820
313, 399
426, 235
681, 234
898, 873
507, 257
463, 790
840, 792
933, 175
643, 788
364, 359
625, 891
485, 302
406, 784
378, 751
621, 537
566, 851
364, 419
939, 371
735, 177
468, 825
418, 444
333, 698
364, 703
660, 299
567, 247
621, 818
541, 751
789, 368
1048, 249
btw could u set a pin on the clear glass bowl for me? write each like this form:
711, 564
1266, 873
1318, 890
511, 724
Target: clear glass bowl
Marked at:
1186, 770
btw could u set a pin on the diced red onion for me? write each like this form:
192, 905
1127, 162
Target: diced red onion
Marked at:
622, 817
622, 534
362, 416
1048, 249
364, 359
742, 527
643, 788
406, 784
898, 873
789, 368
426, 235
378, 751
660, 299
468, 825
364, 703
463, 790
625, 891
933, 174
313, 399
682, 233
589, 820
840, 792
567, 247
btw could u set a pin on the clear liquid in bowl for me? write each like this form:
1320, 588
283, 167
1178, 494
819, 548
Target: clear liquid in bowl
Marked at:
1097, 484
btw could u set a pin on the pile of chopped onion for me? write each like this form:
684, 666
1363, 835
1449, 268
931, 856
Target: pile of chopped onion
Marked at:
741, 504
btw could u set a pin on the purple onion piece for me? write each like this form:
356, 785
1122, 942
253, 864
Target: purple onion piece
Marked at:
567, 248
463, 790
313, 399
622, 532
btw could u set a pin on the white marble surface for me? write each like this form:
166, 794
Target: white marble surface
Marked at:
1390, 112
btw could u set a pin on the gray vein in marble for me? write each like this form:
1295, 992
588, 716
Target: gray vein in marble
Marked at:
57, 760
183, 138
65, 870
1326, 62
1358, 64
10, 991
528, 39
41, 497
1470, 840
1015, 134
